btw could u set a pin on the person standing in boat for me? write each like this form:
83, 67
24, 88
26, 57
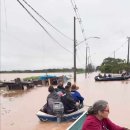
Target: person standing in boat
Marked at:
51, 98
97, 118
69, 83
60, 89
68, 101
76, 95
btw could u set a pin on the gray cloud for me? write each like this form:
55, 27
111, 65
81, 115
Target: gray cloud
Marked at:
25, 45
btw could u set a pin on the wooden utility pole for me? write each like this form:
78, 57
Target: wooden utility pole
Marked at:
128, 50
114, 54
86, 63
74, 50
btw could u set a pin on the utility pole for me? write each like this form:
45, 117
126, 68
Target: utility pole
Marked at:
86, 63
74, 50
128, 50
114, 54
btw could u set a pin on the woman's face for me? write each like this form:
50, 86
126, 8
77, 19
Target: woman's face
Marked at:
105, 112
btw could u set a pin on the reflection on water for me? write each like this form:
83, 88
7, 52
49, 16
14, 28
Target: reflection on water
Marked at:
12, 93
19, 108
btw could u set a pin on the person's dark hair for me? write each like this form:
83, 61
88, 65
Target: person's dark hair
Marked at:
51, 89
99, 105
69, 83
67, 88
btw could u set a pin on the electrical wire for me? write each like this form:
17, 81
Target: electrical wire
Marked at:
46, 20
79, 19
118, 48
44, 28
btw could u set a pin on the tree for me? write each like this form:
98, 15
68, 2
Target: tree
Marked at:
112, 65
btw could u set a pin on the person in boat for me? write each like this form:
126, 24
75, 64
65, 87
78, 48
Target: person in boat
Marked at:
104, 75
51, 98
60, 89
69, 83
124, 74
99, 75
97, 118
109, 75
68, 101
76, 95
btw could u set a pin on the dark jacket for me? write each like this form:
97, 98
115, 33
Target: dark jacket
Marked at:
92, 123
69, 103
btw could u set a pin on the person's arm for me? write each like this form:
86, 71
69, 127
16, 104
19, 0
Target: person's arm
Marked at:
78, 95
112, 126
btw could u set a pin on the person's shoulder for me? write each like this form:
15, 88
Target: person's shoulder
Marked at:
77, 93
92, 123
49, 95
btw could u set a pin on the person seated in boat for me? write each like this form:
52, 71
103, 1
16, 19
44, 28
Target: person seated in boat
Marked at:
69, 83
60, 89
76, 95
51, 98
104, 75
68, 101
99, 75
97, 118
109, 75
124, 74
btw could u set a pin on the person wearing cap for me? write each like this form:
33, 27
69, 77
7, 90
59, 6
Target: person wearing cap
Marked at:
68, 101
76, 95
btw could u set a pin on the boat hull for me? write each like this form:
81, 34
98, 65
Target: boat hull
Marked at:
111, 78
66, 117
77, 125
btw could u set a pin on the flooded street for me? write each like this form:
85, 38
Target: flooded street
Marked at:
19, 108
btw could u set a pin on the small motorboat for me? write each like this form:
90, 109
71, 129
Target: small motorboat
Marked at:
117, 78
59, 115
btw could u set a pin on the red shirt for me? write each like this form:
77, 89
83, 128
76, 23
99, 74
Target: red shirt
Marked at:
92, 123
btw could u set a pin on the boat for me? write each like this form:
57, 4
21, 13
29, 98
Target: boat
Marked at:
59, 116
77, 125
117, 78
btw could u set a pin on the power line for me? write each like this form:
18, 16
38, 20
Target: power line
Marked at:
46, 20
79, 19
118, 48
44, 28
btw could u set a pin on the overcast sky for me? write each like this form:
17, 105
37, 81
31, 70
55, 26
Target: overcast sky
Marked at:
25, 45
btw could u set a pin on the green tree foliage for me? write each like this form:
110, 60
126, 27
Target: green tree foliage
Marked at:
112, 65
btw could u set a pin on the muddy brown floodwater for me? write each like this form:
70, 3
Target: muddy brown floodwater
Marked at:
19, 108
